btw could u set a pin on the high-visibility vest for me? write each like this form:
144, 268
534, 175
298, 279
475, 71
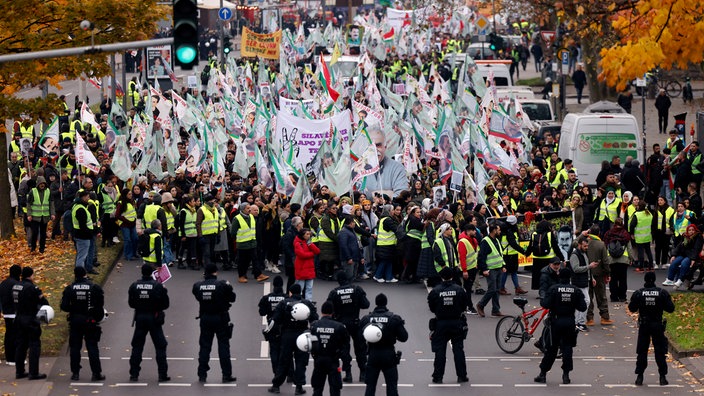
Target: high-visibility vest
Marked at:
151, 213
445, 255
643, 233
27, 132
169, 220
315, 231
222, 219
335, 225
129, 213
680, 225
385, 237
74, 219
189, 223
209, 226
665, 218
152, 248
70, 135
108, 203
425, 243
507, 248
494, 259
246, 232
611, 211
671, 144
696, 162
40, 207
551, 251
471, 256
415, 234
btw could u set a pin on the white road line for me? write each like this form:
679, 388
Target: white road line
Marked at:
267, 288
131, 384
514, 360
486, 385
444, 385
220, 385
619, 385
257, 359
175, 384
264, 349
576, 385
402, 385
354, 385
665, 386
180, 358
213, 359
476, 359
530, 385
101, 358
258, 385
87, 384
144, 358
426, 360
597, 360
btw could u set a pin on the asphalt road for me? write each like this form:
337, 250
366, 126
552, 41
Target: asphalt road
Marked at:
604, 357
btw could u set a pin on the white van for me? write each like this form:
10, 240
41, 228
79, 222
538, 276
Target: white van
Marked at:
589, 139
502, 78
504, 95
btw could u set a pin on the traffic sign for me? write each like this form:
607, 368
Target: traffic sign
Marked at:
482, 23
548, 35
565, 56
225, 14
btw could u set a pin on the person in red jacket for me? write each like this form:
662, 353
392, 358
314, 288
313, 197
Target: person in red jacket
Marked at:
304, 265
467, 248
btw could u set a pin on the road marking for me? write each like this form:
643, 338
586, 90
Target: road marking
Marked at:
175, 384
353, 385
514, 360
576, 385
144, 358
181, 358
476, 359
597, 360
212, 359
402, 385
444, 385
619, 385
486, 385
665, 386
257, 359
258, 385
426, 360
101, 358
130, 384
87, 384
530, 385
264, 349
220, 385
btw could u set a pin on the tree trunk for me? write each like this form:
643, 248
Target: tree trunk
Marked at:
7, 227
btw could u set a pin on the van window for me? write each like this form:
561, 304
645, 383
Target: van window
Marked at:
537, 111
499, 81
595, 147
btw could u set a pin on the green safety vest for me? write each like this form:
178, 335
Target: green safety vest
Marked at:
425, 243
415, 234
128, 213
74, 219
314, 230
222, 220
445, 256
245, 232
209, 226
40, 207
189, 225
152, 248
665, 221
696, 162
169, 220
673, 147
610, 211
508, 249
335, 224
471, 257
151, 212
643, 233
385, 237
551, 251
494, 259
108, 203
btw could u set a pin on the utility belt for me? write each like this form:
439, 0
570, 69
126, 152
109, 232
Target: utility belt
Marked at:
646, 320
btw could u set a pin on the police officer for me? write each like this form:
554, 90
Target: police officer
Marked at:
448, 301
562, 300
149, 299
650, 302
84, 300
333, 344
382, 356
267, 305
347, 300
292, 325
8, 311
215, 298
28, 298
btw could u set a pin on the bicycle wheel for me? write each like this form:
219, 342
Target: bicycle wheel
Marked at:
509, 334
673, 89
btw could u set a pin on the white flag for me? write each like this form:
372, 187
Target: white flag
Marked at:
84, 156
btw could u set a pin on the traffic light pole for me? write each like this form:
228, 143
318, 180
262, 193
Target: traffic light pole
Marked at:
221, 47
58, 53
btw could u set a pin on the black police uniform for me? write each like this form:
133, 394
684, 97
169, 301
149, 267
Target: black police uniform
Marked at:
448, 301
267, 305
382, 355
28, 298
84, 300
290, 330
650, 302
333, 344
562, 300
149, 300
8, 312
215, 298
347, 301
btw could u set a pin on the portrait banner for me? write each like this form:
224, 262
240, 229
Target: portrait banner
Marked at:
301, 138
262, 45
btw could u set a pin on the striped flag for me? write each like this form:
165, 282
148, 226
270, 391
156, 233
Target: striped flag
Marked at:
326, 79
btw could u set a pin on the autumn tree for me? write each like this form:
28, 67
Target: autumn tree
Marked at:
36, 25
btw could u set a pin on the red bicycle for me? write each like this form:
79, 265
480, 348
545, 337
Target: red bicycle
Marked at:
513, 331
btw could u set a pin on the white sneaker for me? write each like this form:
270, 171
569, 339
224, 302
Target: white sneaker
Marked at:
668, 282
115, 240
364, 276
678, 283
380, 280
275, 269
393, 280
665, 266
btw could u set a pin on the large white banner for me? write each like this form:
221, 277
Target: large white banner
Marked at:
399, 18
303, 137
291, 105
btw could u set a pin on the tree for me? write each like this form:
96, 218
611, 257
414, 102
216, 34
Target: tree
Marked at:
35, 25
665, 33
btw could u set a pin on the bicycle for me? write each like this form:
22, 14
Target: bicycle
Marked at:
672, 87
513, 331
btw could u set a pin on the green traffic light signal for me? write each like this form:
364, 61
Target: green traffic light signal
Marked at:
227, 46
186, 33
186, 54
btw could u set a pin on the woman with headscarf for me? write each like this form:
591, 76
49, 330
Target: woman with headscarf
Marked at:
370, 220
685, 253
493, 206
619, 264
575, 205
626, 209
426, 263
608, 210
386, 244
412, 244
662, 231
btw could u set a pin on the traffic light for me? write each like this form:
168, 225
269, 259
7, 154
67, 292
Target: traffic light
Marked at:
186, 33
227, 45
492, 41
496, 42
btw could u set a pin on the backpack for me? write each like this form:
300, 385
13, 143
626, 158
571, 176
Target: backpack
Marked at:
143, 244
541, 244
616, 249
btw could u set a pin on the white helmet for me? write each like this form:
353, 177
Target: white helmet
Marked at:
105, 316
45, 314
372, 333
305, 341
300, 311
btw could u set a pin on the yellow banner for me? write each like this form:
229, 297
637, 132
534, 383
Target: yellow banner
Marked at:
262, 45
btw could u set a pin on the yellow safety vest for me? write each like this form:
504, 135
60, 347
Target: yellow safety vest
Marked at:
425, 243
494, 259
27, 132
152, 248
696, 162
611, 211
551, 251
508, 249
209, 226
643, 233
246, 232
129, 213
189, 224
74, 219
315, 231
40, 206
681, 226
415, 234
222, 223
385, 237
471, 256
151, 213
664, 222
335, 224
108, 203
445, 256
169, 220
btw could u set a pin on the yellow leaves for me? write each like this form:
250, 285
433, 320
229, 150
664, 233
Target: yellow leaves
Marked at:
580, 10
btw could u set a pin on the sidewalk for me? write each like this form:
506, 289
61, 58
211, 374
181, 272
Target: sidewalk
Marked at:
10, 386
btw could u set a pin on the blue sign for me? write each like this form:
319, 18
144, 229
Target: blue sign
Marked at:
225, 14
565, 57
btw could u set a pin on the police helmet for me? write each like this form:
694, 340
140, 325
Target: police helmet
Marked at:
45, 314
305, 341
372, 333
105, 316
300, 311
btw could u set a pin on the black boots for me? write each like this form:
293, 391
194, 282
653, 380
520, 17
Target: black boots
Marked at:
639, 379
540, 378
566, 378
348, 377
663, 380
